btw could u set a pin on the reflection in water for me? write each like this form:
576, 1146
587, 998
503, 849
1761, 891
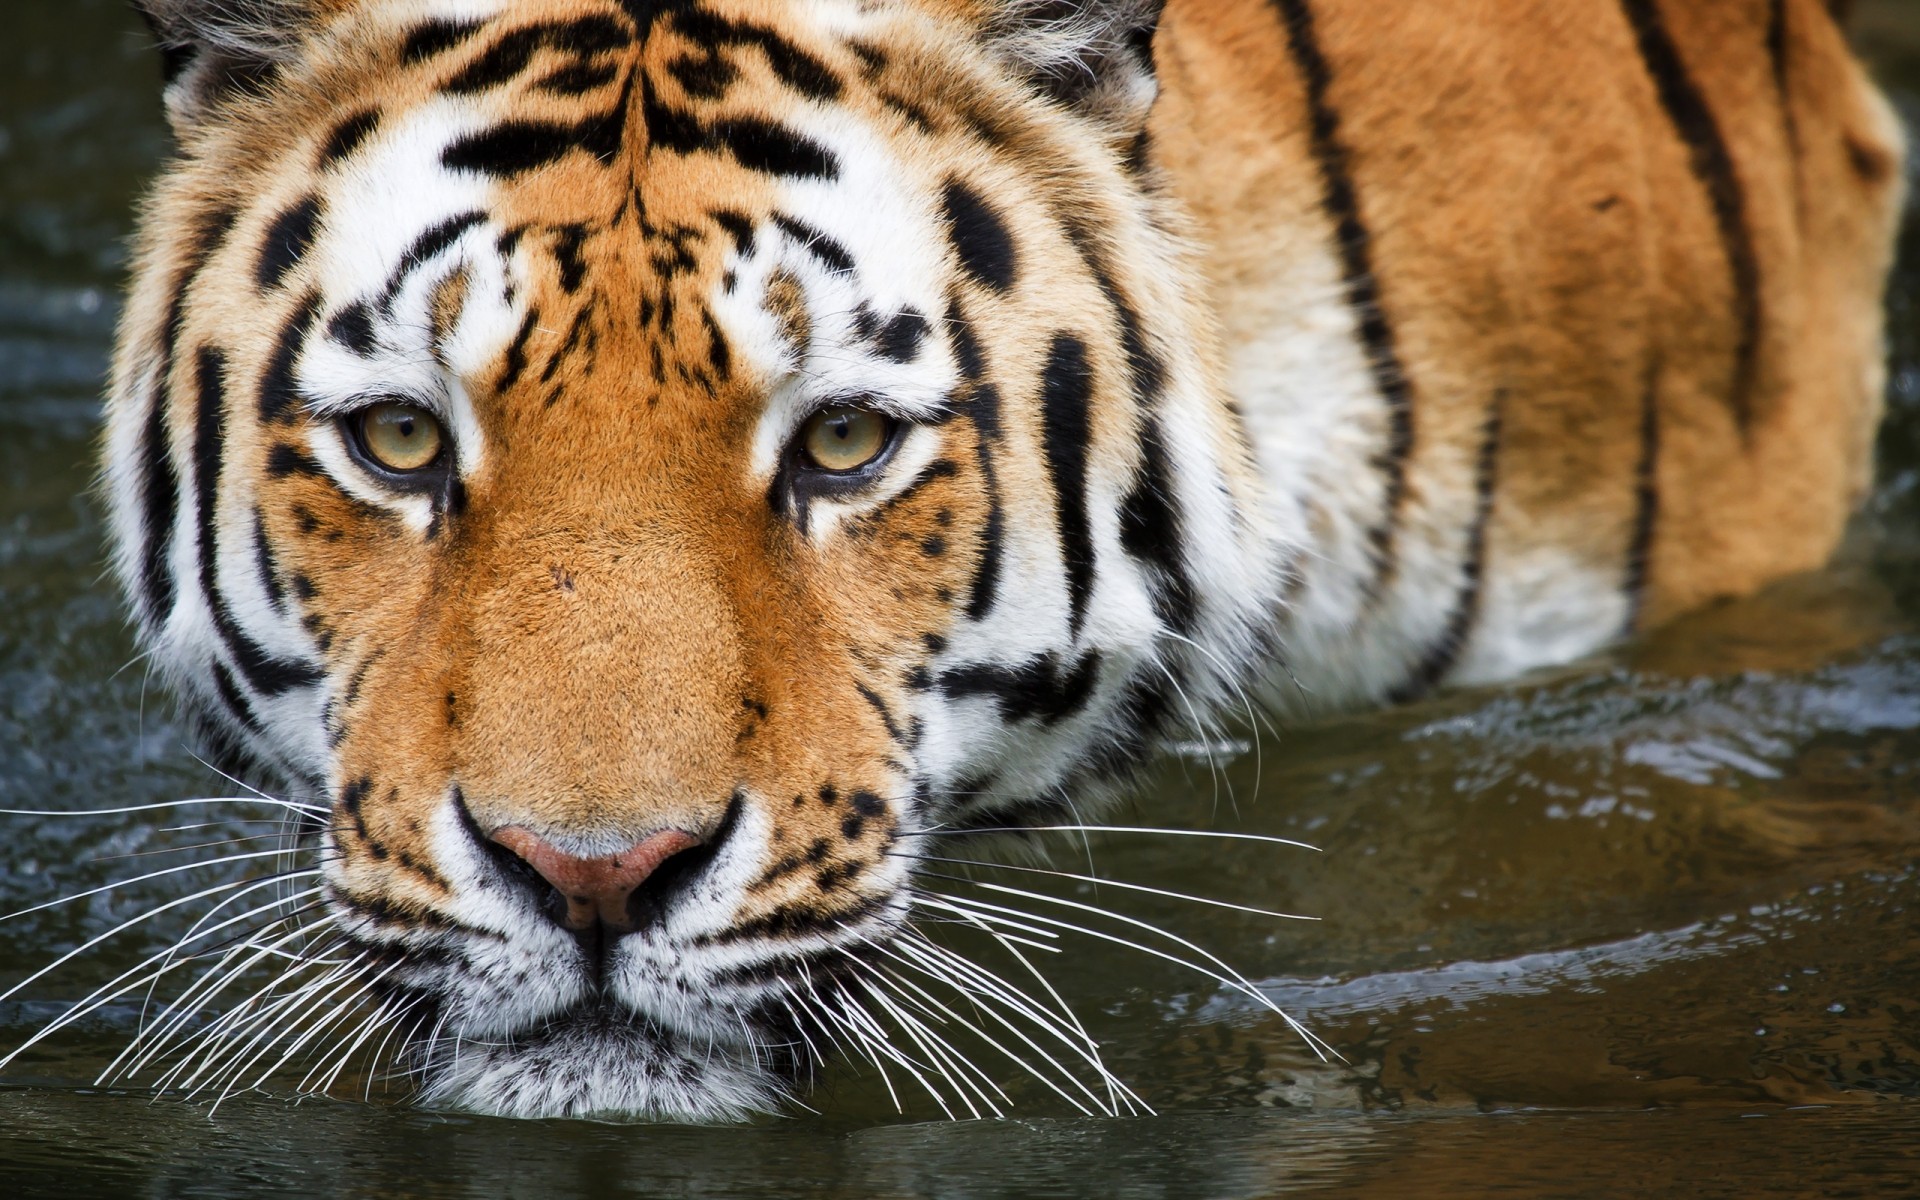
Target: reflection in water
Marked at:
1682, 878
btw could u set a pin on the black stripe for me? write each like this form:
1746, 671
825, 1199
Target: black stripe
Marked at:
774, 149
900, 335
795, 67
230, 698
161, 497
1040, 688
981, 240
265, 674
280, 396
1646, 505
287, 242
1066, 395
578, 78
1342, 204
517, 352
284, 460
513, 148
352, 327
160, 494
1712, 165
886, 715
426, 247
269, 571
1150, 531
513, 53
434, 37
348, 134
983, 409
719, 353
1445, 651
1150, 524
832, 255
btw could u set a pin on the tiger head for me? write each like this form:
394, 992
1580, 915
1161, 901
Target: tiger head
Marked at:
641, 468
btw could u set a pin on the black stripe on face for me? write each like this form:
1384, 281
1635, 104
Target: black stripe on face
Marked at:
899, 337
352, 327
832, 255
1150, 526
795, 67
513, 53
1646, 507
238, 710
160, 493
774, 149
269, 571
347, 136
425, 248
516, 363
161, 496
1355, 242
288, 239
980, 239
280, 396
1041, 688
1066, 399
1445, 651
513, 148
983, 409
1712, 165
432, 38
1150, 531
264, 673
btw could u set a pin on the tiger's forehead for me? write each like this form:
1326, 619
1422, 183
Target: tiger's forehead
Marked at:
552, 180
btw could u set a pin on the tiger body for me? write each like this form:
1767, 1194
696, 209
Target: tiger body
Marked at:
1373, 354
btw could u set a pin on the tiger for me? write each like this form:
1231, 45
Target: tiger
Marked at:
637, 475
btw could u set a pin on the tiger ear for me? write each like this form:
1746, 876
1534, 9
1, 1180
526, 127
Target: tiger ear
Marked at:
210, 49
1094, 55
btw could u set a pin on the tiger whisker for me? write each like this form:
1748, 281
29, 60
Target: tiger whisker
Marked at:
1231, 977
342, 1051
164, 804
122, 927
362, 988
232, 841
227, 860
979, 984
235, 945
309, 1013
1118, 883
93, 1001
205, 1045
1200, 727
987, 1011
267, 1025
965, 1075
936, 831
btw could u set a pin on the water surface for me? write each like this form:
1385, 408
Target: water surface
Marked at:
1644, 923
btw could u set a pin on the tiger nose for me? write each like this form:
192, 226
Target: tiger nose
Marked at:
595, 889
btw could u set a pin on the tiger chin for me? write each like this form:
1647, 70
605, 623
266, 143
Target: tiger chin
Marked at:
637, 472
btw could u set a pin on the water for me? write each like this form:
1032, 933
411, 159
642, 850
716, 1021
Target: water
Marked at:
1645, 923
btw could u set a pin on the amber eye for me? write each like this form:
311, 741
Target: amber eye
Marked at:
400, 437
844, 438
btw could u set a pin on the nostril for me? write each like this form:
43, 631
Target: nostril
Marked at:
592, 889
647, 903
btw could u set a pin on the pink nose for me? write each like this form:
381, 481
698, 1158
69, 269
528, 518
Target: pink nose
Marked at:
596, 889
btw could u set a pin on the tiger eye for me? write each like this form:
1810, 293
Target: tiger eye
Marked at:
844, 438
401, 437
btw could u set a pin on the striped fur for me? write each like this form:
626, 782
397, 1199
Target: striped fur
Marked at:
1401, 352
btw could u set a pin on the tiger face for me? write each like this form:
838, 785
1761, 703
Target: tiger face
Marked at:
643, 468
